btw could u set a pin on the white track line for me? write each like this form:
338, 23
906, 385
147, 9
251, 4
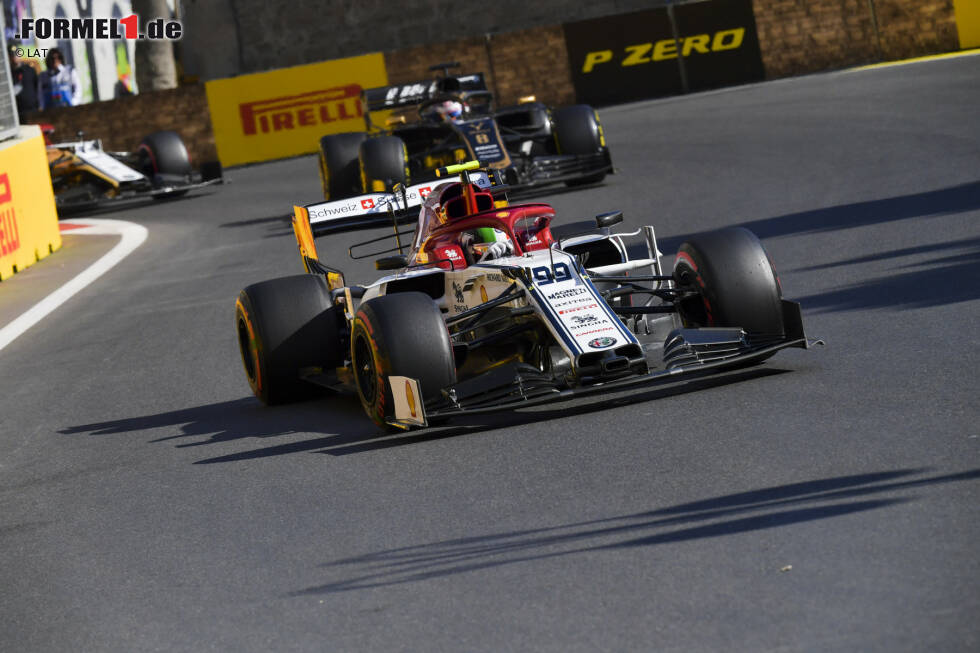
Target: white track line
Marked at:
133, 236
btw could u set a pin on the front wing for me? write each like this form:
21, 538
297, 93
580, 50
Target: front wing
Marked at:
520, 386
557, 168
67, 202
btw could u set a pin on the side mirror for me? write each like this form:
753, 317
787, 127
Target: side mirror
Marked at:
391, 263
605, 220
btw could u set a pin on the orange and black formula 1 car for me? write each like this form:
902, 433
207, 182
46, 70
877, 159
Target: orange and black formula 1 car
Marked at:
453, 118
85, 176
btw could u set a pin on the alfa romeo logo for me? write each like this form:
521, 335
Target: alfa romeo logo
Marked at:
602, 343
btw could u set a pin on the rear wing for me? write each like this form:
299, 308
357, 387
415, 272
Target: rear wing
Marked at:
404, 95
370, 208
376, 208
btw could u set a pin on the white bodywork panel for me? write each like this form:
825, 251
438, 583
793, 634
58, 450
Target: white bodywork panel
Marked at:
569, 305
107, 165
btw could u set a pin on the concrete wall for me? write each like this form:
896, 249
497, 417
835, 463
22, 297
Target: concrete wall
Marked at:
209, 48
122, 124
912, 28
527, 62
277, 35
804, 36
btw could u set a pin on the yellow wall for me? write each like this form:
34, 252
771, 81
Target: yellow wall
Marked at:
28, 219
284, 112
968, 22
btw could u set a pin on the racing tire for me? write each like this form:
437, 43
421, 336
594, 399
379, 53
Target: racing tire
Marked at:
578, 131
402, 334
164, 153
384, 161
735, 281
340, 174
285, 325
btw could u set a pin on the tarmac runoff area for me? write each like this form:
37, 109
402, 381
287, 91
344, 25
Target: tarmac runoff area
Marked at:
90, 248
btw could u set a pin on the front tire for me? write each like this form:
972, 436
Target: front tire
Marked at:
735, 282
164, 153
384, 161
285, 325
578, 131
340, 174
399, 335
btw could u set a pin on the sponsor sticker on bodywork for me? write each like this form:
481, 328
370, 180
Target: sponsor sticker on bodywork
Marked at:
574, 308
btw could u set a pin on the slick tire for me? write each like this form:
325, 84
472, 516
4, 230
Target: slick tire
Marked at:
402, 334
384, 161
735, 281
578, 131
340, 174
164, 153
283, 326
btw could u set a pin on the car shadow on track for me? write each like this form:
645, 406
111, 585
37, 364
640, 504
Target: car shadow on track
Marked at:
345, 430
130, 204
491, 421
281, 220
242, 419
743, 512
365, 437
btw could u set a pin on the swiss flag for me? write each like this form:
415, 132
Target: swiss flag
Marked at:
424, 191
367, 204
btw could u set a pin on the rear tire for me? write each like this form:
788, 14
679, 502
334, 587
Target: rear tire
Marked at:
578, 131
283, 326
384, 161
399, 335
340, 174
735, 280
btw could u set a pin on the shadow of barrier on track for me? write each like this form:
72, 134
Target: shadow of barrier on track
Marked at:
936, 281
732, 514
345, 430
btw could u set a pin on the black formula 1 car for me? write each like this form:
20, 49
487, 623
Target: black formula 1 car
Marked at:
486, 310
85, 176
452, 118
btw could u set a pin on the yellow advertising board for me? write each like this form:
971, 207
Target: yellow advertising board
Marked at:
968, 22
28, 218
284, 112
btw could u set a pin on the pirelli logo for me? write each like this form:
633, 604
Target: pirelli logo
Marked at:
665, 49
291, 112
9, 233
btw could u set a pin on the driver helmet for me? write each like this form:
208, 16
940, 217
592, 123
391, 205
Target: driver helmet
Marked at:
485, 243
448, 111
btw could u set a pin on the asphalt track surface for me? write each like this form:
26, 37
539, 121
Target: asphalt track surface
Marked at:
826, 501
